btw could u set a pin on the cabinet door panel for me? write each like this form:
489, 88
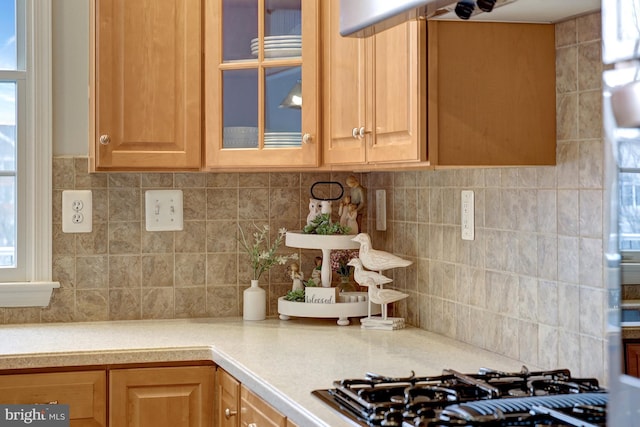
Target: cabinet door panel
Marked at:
84, 392
256, 411
159, 397
633, 359
227, 400
147, 79
344, 90
397, 109
492, 89
283, 62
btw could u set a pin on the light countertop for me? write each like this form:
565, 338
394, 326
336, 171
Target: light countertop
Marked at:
281, 361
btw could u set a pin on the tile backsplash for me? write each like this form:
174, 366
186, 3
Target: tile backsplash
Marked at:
529, 286
121, 271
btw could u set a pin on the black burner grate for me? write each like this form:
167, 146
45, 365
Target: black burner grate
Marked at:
524, 404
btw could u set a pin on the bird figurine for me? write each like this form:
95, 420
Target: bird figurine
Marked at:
363, 276
372, 279
377, 260
367, 278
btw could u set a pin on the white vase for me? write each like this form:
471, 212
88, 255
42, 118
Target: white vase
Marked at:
254, 302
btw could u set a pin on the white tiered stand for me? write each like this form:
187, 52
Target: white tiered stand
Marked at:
341, 310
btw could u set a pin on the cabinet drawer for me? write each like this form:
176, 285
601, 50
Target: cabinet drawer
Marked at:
84, 392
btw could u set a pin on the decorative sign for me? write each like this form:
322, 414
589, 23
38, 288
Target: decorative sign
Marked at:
320, 295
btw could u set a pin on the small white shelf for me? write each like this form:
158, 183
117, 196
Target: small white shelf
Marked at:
341, 310
298, 239
27, 294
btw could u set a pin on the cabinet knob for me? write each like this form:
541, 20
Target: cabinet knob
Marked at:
228, 413
105, 139
354, 133
306, 138
362, 132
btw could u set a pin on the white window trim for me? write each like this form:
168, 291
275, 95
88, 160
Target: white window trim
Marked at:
39, 128
35, 195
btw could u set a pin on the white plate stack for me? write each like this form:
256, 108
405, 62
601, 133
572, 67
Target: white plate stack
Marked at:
240, 137
282, 139
278, 46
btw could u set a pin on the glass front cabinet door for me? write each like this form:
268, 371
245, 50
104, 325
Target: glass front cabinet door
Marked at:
261, 83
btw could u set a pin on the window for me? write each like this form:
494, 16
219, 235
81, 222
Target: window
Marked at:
629, 211
25, 140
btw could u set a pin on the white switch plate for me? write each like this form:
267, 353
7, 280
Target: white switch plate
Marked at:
163, 210
77, 211
381, 210
467, 215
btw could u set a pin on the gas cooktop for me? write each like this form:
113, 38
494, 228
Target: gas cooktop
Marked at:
487, 398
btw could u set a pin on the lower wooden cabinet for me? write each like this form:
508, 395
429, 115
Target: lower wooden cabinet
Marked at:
84, 392
632, 358
159, 397
227, 400
142, 396
256, 412
236, 406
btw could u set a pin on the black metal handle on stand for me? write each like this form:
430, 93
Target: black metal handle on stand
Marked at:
328, 183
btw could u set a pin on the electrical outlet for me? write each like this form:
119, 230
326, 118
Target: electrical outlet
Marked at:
77, 211
77, 205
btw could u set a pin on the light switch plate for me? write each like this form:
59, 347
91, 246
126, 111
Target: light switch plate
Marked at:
163, 210
467, 215
381, 210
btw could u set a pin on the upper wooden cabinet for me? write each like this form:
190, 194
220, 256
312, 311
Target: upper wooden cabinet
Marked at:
161, 397
145, 85
261, 83
491, 94
374, 93
421, 94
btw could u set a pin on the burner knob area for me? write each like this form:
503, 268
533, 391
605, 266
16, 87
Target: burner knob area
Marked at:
426, 413
392, 419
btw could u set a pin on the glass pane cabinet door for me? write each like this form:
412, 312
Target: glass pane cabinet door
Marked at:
257, 75
240, 29
283, 106
282, 29
240, 108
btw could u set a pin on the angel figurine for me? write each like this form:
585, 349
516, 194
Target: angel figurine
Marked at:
343, 210
358, 197
352, 218
297, 276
